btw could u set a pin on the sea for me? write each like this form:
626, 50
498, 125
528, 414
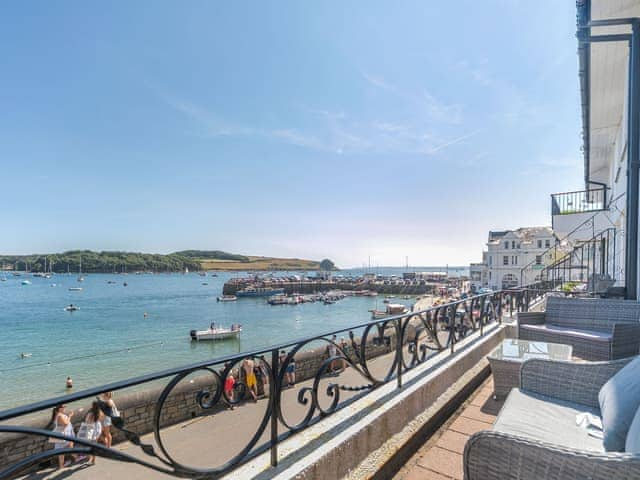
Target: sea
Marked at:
110, 338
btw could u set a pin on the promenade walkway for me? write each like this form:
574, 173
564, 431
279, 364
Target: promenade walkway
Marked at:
209, 440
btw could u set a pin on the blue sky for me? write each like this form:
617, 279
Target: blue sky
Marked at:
309, 129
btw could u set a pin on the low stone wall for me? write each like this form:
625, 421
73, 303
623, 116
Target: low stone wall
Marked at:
138, 408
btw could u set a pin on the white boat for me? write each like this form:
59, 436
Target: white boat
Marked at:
26, 282
392, 309
216, 333
75, 289
227, 298
71, 308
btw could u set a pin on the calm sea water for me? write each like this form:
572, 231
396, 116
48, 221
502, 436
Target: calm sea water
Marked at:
109, 338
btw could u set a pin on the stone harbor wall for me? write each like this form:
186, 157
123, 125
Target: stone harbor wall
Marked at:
138, 408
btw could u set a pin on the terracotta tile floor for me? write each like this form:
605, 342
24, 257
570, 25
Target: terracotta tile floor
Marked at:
440, 458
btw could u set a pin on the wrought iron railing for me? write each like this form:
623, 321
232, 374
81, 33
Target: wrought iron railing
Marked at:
583, 201
590, 267
377, 352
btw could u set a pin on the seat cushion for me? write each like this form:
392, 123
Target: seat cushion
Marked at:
632, 444
619, 400
593, 335
546, 419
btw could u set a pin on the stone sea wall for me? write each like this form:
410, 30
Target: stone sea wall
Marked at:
230, 288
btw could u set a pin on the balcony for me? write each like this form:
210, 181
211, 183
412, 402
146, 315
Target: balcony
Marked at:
576, 213
583, 201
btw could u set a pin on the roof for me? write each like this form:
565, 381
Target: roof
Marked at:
524, 233
603, 70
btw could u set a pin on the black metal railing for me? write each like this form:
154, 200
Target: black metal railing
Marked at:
590, 267
583, 201
377, 352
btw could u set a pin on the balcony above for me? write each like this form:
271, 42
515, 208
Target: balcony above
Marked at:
575, 214
583, 201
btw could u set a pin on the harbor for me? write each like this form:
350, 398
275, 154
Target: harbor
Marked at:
405, 283
122, 331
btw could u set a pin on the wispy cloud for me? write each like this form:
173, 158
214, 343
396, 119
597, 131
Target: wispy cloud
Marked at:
455, 141
337, 132
436, 109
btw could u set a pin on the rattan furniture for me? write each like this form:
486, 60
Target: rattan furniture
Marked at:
507, 359
596, 328
535, 435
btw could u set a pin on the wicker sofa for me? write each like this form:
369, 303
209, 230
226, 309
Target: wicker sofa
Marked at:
535, 435
597, 328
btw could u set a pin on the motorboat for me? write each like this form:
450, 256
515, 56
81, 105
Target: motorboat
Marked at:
75, 289
216, 333
391, 310
71, 308
26, 282
227, 298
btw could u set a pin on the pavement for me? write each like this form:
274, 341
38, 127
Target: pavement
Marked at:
440, 458
209, 441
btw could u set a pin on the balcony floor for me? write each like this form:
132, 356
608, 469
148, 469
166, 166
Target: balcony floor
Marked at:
440, 457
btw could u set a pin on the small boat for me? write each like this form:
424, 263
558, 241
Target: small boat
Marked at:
26, 282
125, 284
392, 309
205, 283
111, 282
216, 333
328, 301
71, 308
25, 355
214, 274
54, 284
227, 298
75, 289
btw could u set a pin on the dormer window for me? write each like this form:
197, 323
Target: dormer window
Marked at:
506, 245
513, 244
539, 243
547, 243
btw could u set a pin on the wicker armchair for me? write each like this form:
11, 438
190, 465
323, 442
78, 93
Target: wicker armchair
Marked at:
596, 328
552, 451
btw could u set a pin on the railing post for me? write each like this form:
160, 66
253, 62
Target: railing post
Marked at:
399, 352
275, 405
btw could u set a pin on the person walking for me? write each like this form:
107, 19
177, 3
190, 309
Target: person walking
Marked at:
107, 398
62, 424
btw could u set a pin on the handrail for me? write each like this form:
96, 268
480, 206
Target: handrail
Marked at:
407, 339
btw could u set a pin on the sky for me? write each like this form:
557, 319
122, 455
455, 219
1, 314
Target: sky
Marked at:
341, 130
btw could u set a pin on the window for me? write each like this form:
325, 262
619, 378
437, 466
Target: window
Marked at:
518, 245
489, 275
513, 244
547, 243
509, 281
490, 259
506, 245
538, 259
514, 260
539, 243
505, 260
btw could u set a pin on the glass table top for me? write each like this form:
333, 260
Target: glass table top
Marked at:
521, 350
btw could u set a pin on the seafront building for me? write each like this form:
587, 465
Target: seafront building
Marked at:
408, 423
513, 258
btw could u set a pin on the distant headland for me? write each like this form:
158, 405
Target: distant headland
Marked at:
88, 261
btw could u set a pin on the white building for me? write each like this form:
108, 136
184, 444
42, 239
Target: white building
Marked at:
513, 258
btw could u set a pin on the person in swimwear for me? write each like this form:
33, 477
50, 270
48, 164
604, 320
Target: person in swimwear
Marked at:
250, 377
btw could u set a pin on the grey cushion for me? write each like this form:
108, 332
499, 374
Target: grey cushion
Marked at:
546, 419
593, 335
619, 400
633, 437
